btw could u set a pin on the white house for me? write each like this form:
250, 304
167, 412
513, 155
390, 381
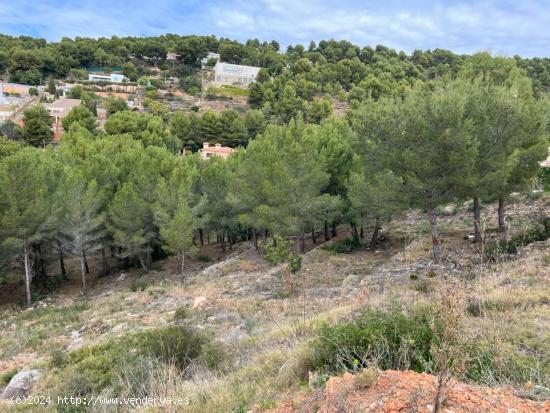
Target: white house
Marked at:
172, 56
113, 77
210, 55
230, 74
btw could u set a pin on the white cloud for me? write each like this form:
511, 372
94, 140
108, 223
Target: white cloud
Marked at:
464, 26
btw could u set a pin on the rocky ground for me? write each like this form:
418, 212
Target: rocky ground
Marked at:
265, 320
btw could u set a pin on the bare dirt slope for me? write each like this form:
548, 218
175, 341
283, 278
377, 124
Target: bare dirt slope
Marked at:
406, 391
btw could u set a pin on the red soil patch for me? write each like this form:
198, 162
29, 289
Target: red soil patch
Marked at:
407, 391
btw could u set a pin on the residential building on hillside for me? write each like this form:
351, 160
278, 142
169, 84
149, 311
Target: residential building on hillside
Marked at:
58, 110
7, 108
17, 89
172, 56
230, 74
113, 77
208, 151
210, 55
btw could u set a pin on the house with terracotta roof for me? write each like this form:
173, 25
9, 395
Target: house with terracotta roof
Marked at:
208, 151
58, 110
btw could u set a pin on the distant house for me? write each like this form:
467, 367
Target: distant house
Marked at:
113, 77
7, 108
17, 89
58, 110
230, 74
208, 151
172, 56
210, 55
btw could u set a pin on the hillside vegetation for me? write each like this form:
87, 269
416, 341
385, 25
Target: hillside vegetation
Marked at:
255, 336
132, 266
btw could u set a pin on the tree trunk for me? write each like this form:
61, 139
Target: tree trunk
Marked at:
501, 215
327, 237
182, 273
334, 233
83, 271
149, 257
477, 222
255, 238
313, 239
362, 230
354, 234
105, 265
201, 239
303, 243
85, 262
375, 234
142, 263
208, 236
436, 241
40, 262
28, 277
61, 260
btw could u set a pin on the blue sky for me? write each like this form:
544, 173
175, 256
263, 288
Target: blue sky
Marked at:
502, 27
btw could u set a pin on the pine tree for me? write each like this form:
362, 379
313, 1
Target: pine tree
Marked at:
83, 116
210, 127
37, 130
426, 140
81, 222
25, 199
128, 217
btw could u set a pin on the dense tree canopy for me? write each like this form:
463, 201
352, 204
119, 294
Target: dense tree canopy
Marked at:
413, 131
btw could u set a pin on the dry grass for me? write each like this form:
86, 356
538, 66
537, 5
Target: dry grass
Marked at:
272, 355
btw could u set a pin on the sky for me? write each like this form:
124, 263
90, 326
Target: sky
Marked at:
501, 27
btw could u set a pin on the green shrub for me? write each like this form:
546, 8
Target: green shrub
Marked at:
295, 263
6, 376
422, 285
544, 178
58, 358
534, 195
492, 366
90, 370
181, 314
538, 232
139, 285
389, 340
278, 250
203, 256
172, 344
343, 246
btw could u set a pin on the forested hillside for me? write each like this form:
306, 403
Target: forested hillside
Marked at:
424, 135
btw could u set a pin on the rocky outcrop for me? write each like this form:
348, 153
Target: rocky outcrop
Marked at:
20, 385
